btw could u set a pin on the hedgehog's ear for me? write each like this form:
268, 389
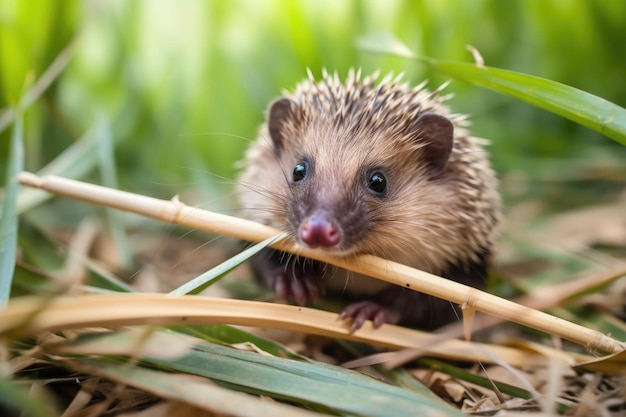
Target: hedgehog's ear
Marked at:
280, 111
437, 134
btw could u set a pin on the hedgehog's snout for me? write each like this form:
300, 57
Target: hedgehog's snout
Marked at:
320, 232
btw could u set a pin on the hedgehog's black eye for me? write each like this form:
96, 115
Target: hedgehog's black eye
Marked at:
300, 171
377, 183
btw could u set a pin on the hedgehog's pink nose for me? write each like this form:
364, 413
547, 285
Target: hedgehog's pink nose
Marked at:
317, 232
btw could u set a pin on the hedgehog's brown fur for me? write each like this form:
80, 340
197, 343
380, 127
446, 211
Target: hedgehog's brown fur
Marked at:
428, 223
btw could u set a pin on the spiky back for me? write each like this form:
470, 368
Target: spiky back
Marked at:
389, 105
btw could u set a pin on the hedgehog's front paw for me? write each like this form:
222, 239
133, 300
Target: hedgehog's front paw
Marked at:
303, 287
368, 310
300, 279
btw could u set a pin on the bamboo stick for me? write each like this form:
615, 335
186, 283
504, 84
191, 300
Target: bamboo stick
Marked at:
176, 212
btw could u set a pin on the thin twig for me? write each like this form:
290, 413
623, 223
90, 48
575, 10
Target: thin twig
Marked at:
177, 212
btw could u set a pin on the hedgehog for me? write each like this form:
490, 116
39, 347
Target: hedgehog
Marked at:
371, 167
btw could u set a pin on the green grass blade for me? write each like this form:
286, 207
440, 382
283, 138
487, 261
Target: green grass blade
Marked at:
314, 384
579, 106
75, 162
201, 393
470, 377
221, 333
325, 386
8, 222
45, 253
574, 104
19, 401
404, 379
601, 321
102, 279
108, 173
43, 83
213, 275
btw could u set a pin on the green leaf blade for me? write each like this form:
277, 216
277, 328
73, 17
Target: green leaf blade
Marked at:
8, 221
212, 276
577, 105
317, 384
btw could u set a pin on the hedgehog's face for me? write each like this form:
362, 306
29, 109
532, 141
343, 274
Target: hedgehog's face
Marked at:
345, 185
332, 204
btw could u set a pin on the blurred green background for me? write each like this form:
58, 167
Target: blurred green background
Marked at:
181, 87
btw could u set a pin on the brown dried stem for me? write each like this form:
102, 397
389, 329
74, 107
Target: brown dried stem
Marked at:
176, 212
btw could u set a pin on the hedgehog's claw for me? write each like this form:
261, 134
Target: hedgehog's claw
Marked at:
368, 310
303, 288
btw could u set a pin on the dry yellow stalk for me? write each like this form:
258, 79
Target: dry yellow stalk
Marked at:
177, 212
33, 315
